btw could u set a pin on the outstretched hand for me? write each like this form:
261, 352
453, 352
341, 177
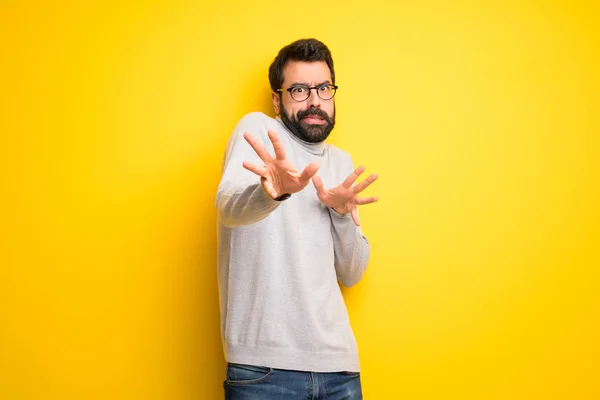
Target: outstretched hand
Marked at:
343, 199
278, 176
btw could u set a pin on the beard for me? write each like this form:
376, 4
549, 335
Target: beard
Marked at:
311, 133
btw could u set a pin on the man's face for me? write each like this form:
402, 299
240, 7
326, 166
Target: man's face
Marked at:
312, 119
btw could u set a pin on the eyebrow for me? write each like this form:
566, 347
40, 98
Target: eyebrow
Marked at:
305, 84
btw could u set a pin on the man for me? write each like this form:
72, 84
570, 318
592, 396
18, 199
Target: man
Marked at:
283, 244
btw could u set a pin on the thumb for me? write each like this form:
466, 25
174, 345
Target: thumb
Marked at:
318, 183
310, 170
355, 216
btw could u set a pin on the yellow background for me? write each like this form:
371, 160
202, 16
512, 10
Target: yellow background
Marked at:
482, 119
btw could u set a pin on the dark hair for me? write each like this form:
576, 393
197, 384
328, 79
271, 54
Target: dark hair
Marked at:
310, 50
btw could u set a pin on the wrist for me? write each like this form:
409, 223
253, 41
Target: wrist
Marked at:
283, 197
341, 213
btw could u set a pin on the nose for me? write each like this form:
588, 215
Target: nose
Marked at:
313, 100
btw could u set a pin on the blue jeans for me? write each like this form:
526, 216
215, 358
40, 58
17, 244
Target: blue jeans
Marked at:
249, 382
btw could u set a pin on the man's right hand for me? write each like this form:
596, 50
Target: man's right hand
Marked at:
278, 176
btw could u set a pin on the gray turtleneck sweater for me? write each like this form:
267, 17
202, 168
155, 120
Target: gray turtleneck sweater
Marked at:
279, 262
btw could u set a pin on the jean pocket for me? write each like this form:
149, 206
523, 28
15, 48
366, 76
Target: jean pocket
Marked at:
243, 374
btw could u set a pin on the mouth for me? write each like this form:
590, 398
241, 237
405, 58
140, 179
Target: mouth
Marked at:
314, 120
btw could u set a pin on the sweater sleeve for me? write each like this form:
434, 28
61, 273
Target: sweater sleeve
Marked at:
241, 199
351, 247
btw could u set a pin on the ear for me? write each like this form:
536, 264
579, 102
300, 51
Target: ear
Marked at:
275, 99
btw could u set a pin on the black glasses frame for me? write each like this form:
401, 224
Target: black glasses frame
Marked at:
309, 88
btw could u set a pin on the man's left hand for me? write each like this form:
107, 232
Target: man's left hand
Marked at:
343, 198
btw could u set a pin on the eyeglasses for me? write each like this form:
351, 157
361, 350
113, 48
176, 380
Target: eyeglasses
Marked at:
325, 91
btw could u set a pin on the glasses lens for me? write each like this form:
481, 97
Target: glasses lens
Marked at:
300, 93
326, 92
